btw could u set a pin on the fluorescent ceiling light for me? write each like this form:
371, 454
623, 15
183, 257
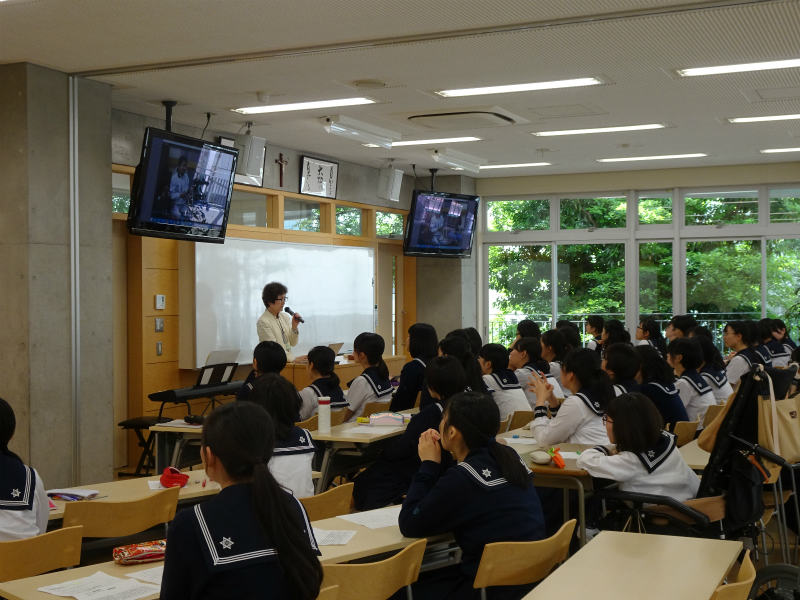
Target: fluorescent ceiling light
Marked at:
601, 129
760, 119
662, 157
454, 140
270, 108
515, 165
520, 87
359, 131
457, 160
777, 150
758, 66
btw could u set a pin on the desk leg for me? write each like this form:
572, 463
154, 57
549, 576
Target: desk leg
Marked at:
581, 510
324, 468
176, 450
162, 451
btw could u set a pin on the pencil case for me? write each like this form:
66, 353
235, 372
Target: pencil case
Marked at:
145, 552
386, 418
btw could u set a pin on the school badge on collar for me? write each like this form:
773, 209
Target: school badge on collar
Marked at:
226, 543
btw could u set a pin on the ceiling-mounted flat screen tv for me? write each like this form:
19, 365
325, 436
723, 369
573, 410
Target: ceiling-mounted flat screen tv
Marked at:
182, 188
440, 224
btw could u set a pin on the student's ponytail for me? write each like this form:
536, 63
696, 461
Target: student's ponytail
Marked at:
476, 416
8, 424
456, 344
241, 436
372, 345
323, 360
584, 364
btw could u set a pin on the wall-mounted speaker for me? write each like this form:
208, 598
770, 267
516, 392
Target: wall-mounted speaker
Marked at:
251, 155
389, 182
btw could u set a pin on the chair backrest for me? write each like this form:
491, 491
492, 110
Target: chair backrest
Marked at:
311, 423
329, 593
419, 397
376, 580
374, 407
685, 431
520, 418
520, 563
336, 501
118, 519
504, 424
711, 413
33, 556
738, 588
337, 416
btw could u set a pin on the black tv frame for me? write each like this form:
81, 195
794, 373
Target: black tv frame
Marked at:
441, 251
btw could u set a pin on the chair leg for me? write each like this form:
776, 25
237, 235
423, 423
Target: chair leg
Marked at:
409, 593
483, 593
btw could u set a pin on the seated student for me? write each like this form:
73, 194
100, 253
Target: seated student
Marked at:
373, 384
422, 345
679, 326
268, 357
646, 458
685, 357
294, 449
795, 361
579, 418
324, 382
525, 358
614, 332
778, 353
501, 381
622, 364
649, 333
740, 337
24, 507
781, 333
657, 382
487, 497
594, 327
554, 349
456, 344
713, 367
251, 537
528, 328
387, 479
475, 341
572, 338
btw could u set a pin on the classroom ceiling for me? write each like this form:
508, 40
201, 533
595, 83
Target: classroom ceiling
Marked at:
213, 56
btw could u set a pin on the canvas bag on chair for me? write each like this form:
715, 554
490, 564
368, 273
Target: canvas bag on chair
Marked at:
779, 423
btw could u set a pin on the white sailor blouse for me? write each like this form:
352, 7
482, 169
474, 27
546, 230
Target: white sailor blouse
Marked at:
524, 376
506, 392
741, 363
291, 460
324, 386
660, 470
696, 395
368, 387
579, 420
24, 507
718, 380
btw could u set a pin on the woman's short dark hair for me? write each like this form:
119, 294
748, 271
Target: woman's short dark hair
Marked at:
585, 365
323, 360
683, 322
622, 360
653, 367
711, 354
528, 328
271, 292
372, 345
422, 341
445, 376
616, 332
688, 349
270, 357
278, 396
636, 422
555, 340
533, 347
497, 354
746, 329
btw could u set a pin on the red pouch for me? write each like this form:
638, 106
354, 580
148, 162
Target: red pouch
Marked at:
144, 552
172, 477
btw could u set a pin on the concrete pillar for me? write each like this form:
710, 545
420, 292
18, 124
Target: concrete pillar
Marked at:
66, 436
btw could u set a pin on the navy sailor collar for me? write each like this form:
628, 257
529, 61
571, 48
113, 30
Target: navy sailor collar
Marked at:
17, 484
481, 469
776, 349
324, 386
627, 386
298, 442
591, 403
654, 457
667, 388
380, 386
697, 381
719, 377
505, 379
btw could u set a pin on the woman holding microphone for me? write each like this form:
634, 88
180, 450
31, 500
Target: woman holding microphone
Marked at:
275, 325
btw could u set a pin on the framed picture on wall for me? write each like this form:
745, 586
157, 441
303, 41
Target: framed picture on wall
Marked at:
318, 177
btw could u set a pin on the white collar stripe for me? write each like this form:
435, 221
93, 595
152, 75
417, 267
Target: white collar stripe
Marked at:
215, 557
490, 483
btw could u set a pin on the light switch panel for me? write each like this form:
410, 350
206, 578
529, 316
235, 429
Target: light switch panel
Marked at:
159, 349
159, 324
161, 302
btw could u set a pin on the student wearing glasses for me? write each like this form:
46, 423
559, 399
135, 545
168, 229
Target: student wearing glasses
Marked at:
275, 325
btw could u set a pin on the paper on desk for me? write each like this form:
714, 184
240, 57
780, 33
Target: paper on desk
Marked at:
79, 493
521, 440
375, 429
155, 484
179, 423
149, 575
327, 537
375, 519
101, 586
569, 454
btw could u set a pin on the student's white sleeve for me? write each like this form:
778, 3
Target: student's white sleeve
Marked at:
490, 383
558, 429
735, 369
41, 505
558, 392
619, 467
684, 391
357, 395
310, 403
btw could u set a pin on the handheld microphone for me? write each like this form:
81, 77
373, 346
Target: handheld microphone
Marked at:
291, 312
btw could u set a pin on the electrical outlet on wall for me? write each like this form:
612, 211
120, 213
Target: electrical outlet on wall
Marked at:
159, 348
159, 324
161, 302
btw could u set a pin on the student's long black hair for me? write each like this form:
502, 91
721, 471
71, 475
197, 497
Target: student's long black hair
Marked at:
622, 360
636, 422
555, 339
445, 376
241, 436
270, 357
746, 329
372, 345
496, 354
653, 367
323, 361
528, 328
477, 417
711, 354
277, 395
572, 338
689, 350
456, 344
422, 341
8, 424
533, 347
653, 330
616, 333
585, 365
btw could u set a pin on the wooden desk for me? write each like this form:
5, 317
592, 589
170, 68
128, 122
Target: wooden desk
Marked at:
170, 442
632, 566
695, 457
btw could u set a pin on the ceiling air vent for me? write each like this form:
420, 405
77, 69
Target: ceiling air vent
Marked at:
468, 119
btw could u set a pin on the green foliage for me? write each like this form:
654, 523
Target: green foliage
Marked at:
388, 224
591, 278
727, 210
518, 215
300, 216
723, 277
784, 210
783, 268
655, 278
583, 213
655, 211
120, 202
522, 276
348, 220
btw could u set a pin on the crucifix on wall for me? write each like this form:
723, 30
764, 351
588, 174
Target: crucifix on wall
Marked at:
281, 162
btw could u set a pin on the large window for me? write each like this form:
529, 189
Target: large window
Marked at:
784, 205
593, 213
738, 207
120, 192
388, 224
348, 220
655, 208
301, 216
655, 280
518, 215
783, 280
248, 208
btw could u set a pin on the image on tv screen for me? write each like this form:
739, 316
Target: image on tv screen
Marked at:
442, 223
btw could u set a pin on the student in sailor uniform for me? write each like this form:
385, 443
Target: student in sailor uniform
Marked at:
456, 344
572, 338
554, 349
268, 357
713, 367
594, 327
324, 382
657, 382
525, 358
614, 332
475, 341
740, 337
387, 479
795, 362
778, 353
294, 449
373, 384
781, 333
679, 326
622, 364
252, 540
646, 458
24, 508
579, 418
487, 497
528, 328
649, 333
685, 357
422, 344
501, 381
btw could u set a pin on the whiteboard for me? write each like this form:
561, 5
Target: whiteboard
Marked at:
330, 286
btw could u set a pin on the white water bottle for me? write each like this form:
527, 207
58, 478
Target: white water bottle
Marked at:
324, 414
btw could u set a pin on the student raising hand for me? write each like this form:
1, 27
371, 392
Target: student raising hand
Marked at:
429, 447
544, 391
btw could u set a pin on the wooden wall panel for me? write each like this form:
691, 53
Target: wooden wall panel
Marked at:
160, 281
168, 338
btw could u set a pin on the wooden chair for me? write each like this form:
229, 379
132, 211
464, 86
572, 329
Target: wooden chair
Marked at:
58, 549
371, 408
337, 416
419, 397
711, 413
376, 580
504, 424
118, 519
336, 501
738, 586
685, 431
521, 563
520, 418
311, 423
329, 593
